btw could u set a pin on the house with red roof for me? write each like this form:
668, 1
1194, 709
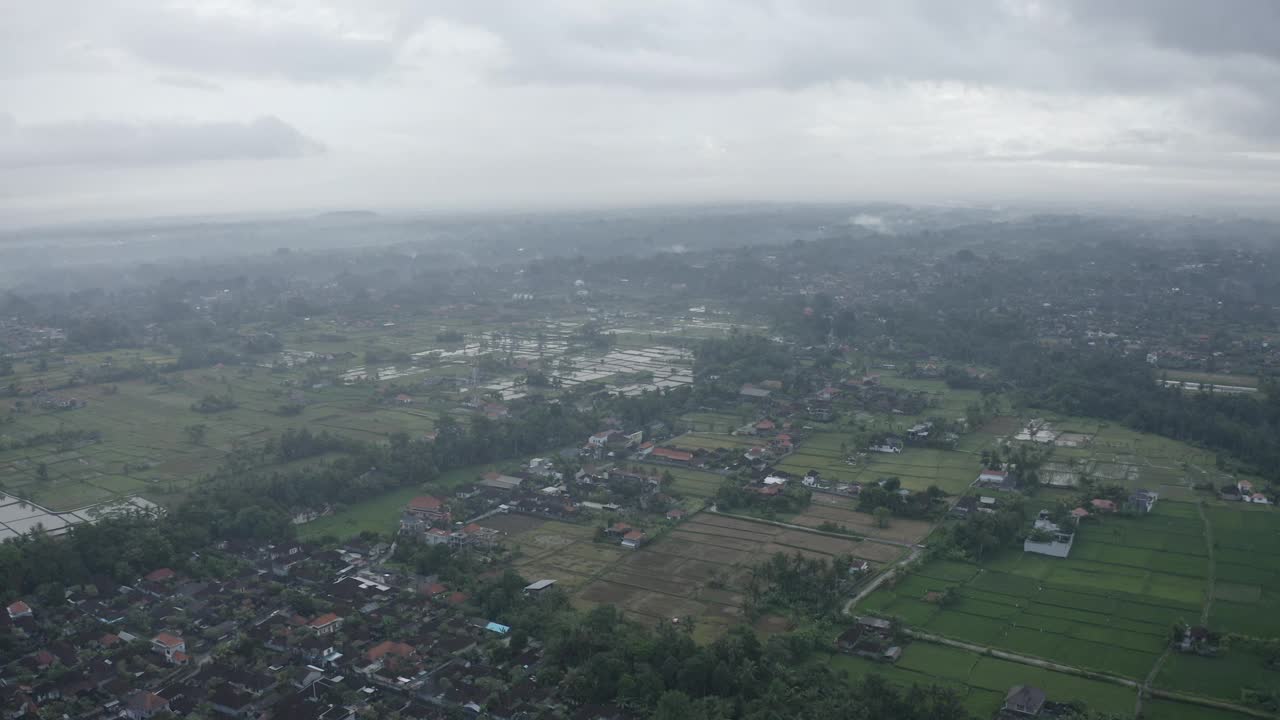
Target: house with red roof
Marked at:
633, 539
1101, 505
143, 704
429, 507
326, 624
168, 645
433, 589
389, 649
403, 399
160, 575
671, 455
457, 598
764, 427
19, 609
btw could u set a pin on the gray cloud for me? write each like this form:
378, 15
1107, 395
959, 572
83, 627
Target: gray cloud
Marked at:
1216, 27
97, 143
189, 82
510, 101
239, 45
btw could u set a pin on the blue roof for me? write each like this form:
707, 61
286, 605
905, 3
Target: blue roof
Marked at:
500, 629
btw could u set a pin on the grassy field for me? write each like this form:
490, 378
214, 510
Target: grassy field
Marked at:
1108, 607
381, 514
918, 468
1211, 378
983, 681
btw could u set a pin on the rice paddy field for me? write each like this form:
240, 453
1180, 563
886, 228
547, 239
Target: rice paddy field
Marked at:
1109, 607
918, 468
982, 681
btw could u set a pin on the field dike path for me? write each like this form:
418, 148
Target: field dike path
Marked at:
1145, 690
1090, 674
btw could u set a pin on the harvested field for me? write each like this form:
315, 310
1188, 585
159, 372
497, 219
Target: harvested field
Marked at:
673, 576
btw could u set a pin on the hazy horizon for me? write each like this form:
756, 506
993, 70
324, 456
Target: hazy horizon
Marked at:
145, 110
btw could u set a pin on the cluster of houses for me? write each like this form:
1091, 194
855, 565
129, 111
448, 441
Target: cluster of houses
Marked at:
50, 401
1242, 491
428, 519
872, 638
366, 644
1051, 538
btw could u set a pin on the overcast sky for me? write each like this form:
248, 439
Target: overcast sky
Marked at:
113, 108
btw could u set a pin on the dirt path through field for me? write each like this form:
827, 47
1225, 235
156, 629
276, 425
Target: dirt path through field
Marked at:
1145, 690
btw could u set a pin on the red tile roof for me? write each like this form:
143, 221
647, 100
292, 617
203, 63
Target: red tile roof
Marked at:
19, 607
1102, 504
325, 619
434, 589
670, 454
426, 502
167, 640
457, 598
389, 647
160, 574
633, 535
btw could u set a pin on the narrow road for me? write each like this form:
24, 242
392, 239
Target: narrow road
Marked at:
1071, 670
879, 580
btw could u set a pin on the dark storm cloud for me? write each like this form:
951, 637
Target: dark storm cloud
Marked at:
118, 144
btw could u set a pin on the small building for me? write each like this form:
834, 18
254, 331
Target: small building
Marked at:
633, 539
1258, 499
143, 704
752, 391
994, 477
1142, 501
19, 609
1024, 700
536, 587
671, 455
1102, 505
887, 445
429, 507
676, 514
160, 575
1057, 543
169, 646
498, 481
326, 624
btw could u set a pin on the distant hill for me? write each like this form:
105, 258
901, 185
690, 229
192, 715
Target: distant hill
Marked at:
348, 215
